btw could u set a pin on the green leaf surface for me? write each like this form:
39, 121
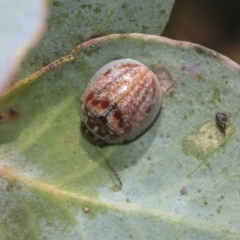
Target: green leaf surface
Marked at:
180, 178
72, 22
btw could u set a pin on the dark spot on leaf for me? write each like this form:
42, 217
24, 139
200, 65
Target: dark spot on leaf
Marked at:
1, 118
200, 50
162, 12
12, 113
46, 62
97, 10
183, 191
200, 77
125, 5
219, 209
88, 6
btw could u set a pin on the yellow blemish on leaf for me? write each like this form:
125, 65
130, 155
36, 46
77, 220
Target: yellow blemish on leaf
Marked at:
206, 141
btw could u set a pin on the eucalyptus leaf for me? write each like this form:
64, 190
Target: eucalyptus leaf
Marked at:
180, 178
72, 22
21, 25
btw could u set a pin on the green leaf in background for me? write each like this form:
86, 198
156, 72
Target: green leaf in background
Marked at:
180, 178
21, 25
72, 22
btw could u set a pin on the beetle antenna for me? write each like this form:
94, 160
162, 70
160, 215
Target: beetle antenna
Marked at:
110, 165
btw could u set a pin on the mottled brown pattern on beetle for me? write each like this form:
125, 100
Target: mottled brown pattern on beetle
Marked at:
107, 72
102, 129
129, 65
138, 88
117, 114
95, 102
137, 101
137, 96
112, 86
105, 103
89, 97
110, 82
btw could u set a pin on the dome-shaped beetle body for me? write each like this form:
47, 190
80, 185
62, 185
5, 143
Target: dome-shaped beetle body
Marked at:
121, 100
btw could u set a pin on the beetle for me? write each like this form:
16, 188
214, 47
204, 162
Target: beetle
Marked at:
221, 120
121, 100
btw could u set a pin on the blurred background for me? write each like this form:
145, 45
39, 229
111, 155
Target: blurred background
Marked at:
211, 23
